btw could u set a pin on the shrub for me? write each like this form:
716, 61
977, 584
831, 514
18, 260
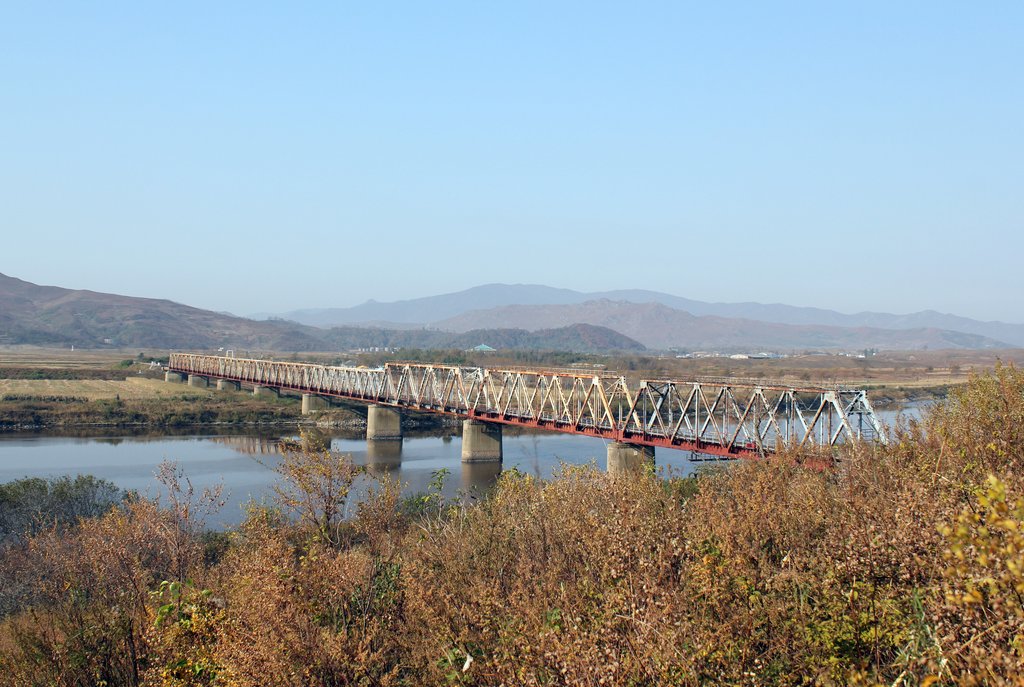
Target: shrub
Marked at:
896, 565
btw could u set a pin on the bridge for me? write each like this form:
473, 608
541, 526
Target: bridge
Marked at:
718, 417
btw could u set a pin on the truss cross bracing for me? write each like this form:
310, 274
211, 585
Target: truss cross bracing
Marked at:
721, 417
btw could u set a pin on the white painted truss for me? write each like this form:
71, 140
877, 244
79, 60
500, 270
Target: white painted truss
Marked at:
724, 417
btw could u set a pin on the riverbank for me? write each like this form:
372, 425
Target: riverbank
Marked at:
59, 404
894, 397
56, 412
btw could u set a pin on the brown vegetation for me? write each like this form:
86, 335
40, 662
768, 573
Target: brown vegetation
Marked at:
901, 565
39, 412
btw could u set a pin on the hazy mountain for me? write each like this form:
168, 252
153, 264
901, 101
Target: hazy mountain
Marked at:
434, 310
49, 315
419, 311
789, 314
661, 327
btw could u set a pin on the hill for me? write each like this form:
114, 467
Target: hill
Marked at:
660, 327
50, 315
436, 310
427, 309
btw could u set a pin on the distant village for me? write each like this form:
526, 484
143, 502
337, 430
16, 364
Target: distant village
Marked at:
774, 356
762, 355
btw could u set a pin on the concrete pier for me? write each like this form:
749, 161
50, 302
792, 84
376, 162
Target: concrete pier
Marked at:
629, 458
227, 385
198, 381
383, 424
311, 403
383, 455
265, 391
481, 442
174, 377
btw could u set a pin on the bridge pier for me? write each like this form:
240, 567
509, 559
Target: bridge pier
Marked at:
624, 458
311, 403
383, 455
198, 381
259, 390
481, 442
174, 377
383, 424
227, 385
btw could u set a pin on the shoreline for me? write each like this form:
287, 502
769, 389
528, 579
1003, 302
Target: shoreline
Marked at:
43, 415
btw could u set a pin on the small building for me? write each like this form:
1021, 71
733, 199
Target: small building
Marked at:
482, 348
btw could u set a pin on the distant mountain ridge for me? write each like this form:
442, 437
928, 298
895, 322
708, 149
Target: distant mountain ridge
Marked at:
54, 316
434, 311
50, 315
427, 309
660, 327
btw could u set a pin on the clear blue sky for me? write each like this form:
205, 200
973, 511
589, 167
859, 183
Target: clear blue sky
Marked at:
270, 156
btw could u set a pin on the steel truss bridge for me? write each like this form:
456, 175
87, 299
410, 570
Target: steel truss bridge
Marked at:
719, 417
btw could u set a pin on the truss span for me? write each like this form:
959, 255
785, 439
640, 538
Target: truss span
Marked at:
722, 417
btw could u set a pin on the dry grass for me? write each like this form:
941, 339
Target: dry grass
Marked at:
130, 388
32, 356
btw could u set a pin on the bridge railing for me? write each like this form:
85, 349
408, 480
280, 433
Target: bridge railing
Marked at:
724, 416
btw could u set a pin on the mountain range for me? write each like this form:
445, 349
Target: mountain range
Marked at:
49, 315
502, 316
520, 305
660, 327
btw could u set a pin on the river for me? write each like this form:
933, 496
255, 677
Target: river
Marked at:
244, 462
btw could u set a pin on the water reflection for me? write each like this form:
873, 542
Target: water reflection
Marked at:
243, 460
383, 456
253, 446
244, 464
478, 478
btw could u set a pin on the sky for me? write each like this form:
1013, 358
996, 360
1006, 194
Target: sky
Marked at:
264, 157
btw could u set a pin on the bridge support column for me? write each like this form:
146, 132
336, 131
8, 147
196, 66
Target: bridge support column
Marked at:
383, 424
311, 403
227, 385
265, 391
481, 442
174, 377
383, 455
626, 458
198, 381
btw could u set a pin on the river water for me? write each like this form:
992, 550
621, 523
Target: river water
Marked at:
244, 463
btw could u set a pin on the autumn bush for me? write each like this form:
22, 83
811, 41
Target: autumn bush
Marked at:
897, 565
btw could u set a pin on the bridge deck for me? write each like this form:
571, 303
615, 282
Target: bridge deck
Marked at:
722, 417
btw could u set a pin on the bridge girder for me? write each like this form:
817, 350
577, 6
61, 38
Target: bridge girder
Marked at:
724, 417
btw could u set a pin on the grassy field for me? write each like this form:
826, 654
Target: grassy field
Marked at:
31, 356
132, 388
60, 388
